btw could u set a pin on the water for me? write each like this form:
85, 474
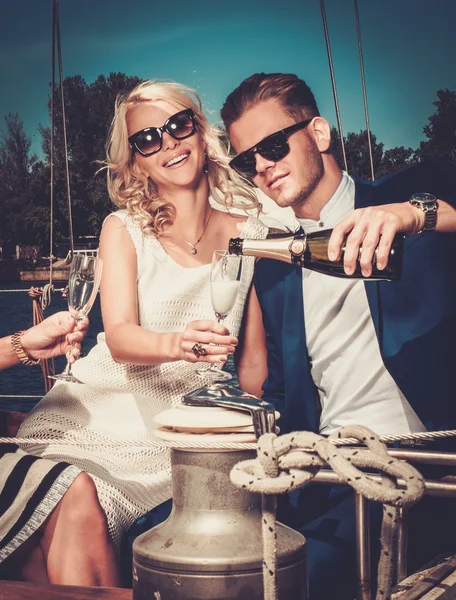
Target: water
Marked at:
16, 314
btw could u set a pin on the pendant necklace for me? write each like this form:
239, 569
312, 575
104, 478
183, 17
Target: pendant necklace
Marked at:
193, 249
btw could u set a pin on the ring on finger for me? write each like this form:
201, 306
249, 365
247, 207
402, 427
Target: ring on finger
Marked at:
199, 350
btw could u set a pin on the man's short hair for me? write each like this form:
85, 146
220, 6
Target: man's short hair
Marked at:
293, 94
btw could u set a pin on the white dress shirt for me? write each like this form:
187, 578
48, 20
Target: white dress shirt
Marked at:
346, 364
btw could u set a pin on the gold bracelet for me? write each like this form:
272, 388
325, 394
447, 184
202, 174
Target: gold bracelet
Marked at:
20, 351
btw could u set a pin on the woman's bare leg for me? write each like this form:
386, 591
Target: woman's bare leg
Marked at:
73, 546
76, 543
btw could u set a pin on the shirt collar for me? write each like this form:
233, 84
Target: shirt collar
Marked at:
339, 206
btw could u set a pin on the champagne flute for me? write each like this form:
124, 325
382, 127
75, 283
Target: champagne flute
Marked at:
226, 273
83, 284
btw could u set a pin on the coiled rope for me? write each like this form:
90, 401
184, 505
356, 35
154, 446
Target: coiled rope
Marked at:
46, 295
288, 462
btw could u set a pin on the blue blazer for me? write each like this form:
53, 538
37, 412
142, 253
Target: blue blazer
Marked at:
414, 318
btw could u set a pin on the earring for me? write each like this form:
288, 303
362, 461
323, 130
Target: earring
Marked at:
206, 164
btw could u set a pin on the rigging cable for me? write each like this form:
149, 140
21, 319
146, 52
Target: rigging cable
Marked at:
363, 83
333, 82
65, 143
51, 149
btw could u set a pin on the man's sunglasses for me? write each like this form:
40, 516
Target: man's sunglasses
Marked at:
149, 141
274, 148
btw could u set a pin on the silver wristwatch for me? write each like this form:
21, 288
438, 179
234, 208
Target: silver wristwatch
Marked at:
428, 204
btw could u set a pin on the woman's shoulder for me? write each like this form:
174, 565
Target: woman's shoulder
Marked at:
120, 214
120, 227
123, 219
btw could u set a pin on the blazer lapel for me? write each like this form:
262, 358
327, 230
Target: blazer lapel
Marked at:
293, 322
296, 363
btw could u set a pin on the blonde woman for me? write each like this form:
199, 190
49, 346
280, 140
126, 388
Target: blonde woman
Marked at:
164, 161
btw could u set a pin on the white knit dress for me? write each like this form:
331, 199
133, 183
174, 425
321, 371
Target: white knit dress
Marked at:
117, 402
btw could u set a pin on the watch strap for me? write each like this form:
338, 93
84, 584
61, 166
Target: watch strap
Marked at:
20, 351
430, 217
429, 208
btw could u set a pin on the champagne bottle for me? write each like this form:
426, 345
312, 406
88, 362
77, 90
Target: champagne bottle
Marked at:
311, 251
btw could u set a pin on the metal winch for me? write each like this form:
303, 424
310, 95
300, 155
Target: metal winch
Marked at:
211, 547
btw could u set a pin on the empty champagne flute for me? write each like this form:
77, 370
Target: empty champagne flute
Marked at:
83, 284
226, 274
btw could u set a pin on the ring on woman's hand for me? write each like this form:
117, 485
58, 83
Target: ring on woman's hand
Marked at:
199, 350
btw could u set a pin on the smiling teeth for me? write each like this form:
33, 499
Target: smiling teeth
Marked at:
176, 160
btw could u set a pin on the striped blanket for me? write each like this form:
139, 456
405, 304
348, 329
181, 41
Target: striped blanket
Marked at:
30, 489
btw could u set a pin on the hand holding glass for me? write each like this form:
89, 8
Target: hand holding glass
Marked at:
225, 281
83, 284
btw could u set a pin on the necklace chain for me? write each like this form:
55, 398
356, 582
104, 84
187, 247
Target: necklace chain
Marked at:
193, 249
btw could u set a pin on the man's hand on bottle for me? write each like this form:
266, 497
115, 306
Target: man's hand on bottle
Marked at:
371, 231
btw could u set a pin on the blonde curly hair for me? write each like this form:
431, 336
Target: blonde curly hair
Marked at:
131, 189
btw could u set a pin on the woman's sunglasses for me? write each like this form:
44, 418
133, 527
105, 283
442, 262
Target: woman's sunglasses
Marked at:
149, 141
274, 147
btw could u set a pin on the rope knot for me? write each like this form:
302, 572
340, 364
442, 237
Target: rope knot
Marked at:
35, 292
287, 462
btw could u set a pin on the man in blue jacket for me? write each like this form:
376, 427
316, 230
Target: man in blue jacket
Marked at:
327, 351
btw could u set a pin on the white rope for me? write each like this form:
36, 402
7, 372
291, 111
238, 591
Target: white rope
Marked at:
388, 439
19, 396
211, 443
146, 443
26, 290
288, 462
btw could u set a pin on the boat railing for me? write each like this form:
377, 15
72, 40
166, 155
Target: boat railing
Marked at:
443, 488
83, 251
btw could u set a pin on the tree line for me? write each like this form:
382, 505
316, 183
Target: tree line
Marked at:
25, 178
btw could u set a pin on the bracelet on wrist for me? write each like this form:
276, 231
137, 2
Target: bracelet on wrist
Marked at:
20, 351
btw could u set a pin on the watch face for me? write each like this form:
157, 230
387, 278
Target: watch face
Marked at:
424, 198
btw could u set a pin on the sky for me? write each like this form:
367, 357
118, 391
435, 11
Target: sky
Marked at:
409, 51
